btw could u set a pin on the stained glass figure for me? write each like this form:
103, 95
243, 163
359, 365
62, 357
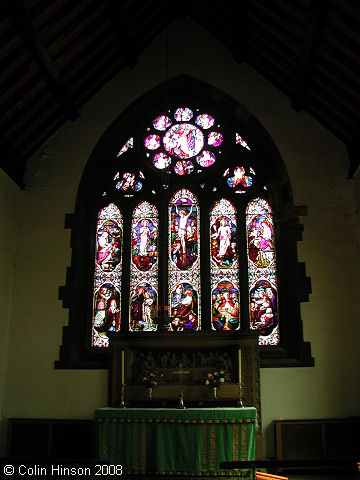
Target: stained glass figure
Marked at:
183, 140
143, 308
183, 114
206, 158
262, 271
107, 278
183, 263
152, 142
205, 121
161, 160
240, 141
184, 308
215, 139
144, 267
183, 167
239, 178
224, 266
162, 122
225, 306
128, 144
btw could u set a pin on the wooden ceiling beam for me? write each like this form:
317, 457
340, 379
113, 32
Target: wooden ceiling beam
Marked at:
239, 29
23, 23
121, 29
353, 149
11, 163
315, 27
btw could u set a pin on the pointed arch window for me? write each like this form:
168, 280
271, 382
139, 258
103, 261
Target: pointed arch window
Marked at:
197, 184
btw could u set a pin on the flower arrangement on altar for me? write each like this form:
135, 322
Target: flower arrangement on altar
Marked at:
149, 379
217, 378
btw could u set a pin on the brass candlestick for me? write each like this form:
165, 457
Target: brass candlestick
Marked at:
240, 396
122, 404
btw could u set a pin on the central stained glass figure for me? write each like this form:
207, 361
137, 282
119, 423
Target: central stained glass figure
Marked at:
184, 255
183, 140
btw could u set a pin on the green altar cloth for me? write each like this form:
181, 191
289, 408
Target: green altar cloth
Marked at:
173, 441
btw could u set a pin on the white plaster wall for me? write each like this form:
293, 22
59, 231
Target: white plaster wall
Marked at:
10, 195
317, 165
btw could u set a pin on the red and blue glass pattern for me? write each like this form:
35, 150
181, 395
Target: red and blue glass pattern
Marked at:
107, 277
263, 295
144, 268
128, 145
129, 182
224, 267
184, 262
240, 178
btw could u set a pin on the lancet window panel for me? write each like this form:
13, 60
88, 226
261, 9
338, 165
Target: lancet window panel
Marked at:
224, 267
107, 275
263, 291
144, 268
184, 262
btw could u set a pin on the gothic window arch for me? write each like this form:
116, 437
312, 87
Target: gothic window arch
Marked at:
192, 227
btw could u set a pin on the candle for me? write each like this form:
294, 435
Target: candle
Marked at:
122, 367
239, 362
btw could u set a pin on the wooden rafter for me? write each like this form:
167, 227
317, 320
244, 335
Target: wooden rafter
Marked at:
313, 35
23, 23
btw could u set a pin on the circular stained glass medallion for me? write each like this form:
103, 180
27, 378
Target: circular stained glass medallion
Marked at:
183, 140
215, 139
206, 159
152, 142
205, 120
161, 160
162, 123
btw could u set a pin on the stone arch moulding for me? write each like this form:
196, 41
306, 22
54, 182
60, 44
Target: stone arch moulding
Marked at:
294, 286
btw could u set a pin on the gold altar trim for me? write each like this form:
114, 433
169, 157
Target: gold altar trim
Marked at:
172, 420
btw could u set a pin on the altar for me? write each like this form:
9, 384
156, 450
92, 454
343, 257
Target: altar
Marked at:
170, 441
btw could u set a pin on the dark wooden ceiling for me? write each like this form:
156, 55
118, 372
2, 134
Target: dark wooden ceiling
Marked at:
56, 54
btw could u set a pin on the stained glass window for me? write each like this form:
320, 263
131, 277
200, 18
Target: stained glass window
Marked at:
107, 277
192, 156
238, 178
184, 262
129, 144
262, 271
239, 140
182, 142
224, 267
144, 268
129, 182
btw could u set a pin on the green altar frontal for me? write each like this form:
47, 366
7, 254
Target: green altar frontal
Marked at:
170, 441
